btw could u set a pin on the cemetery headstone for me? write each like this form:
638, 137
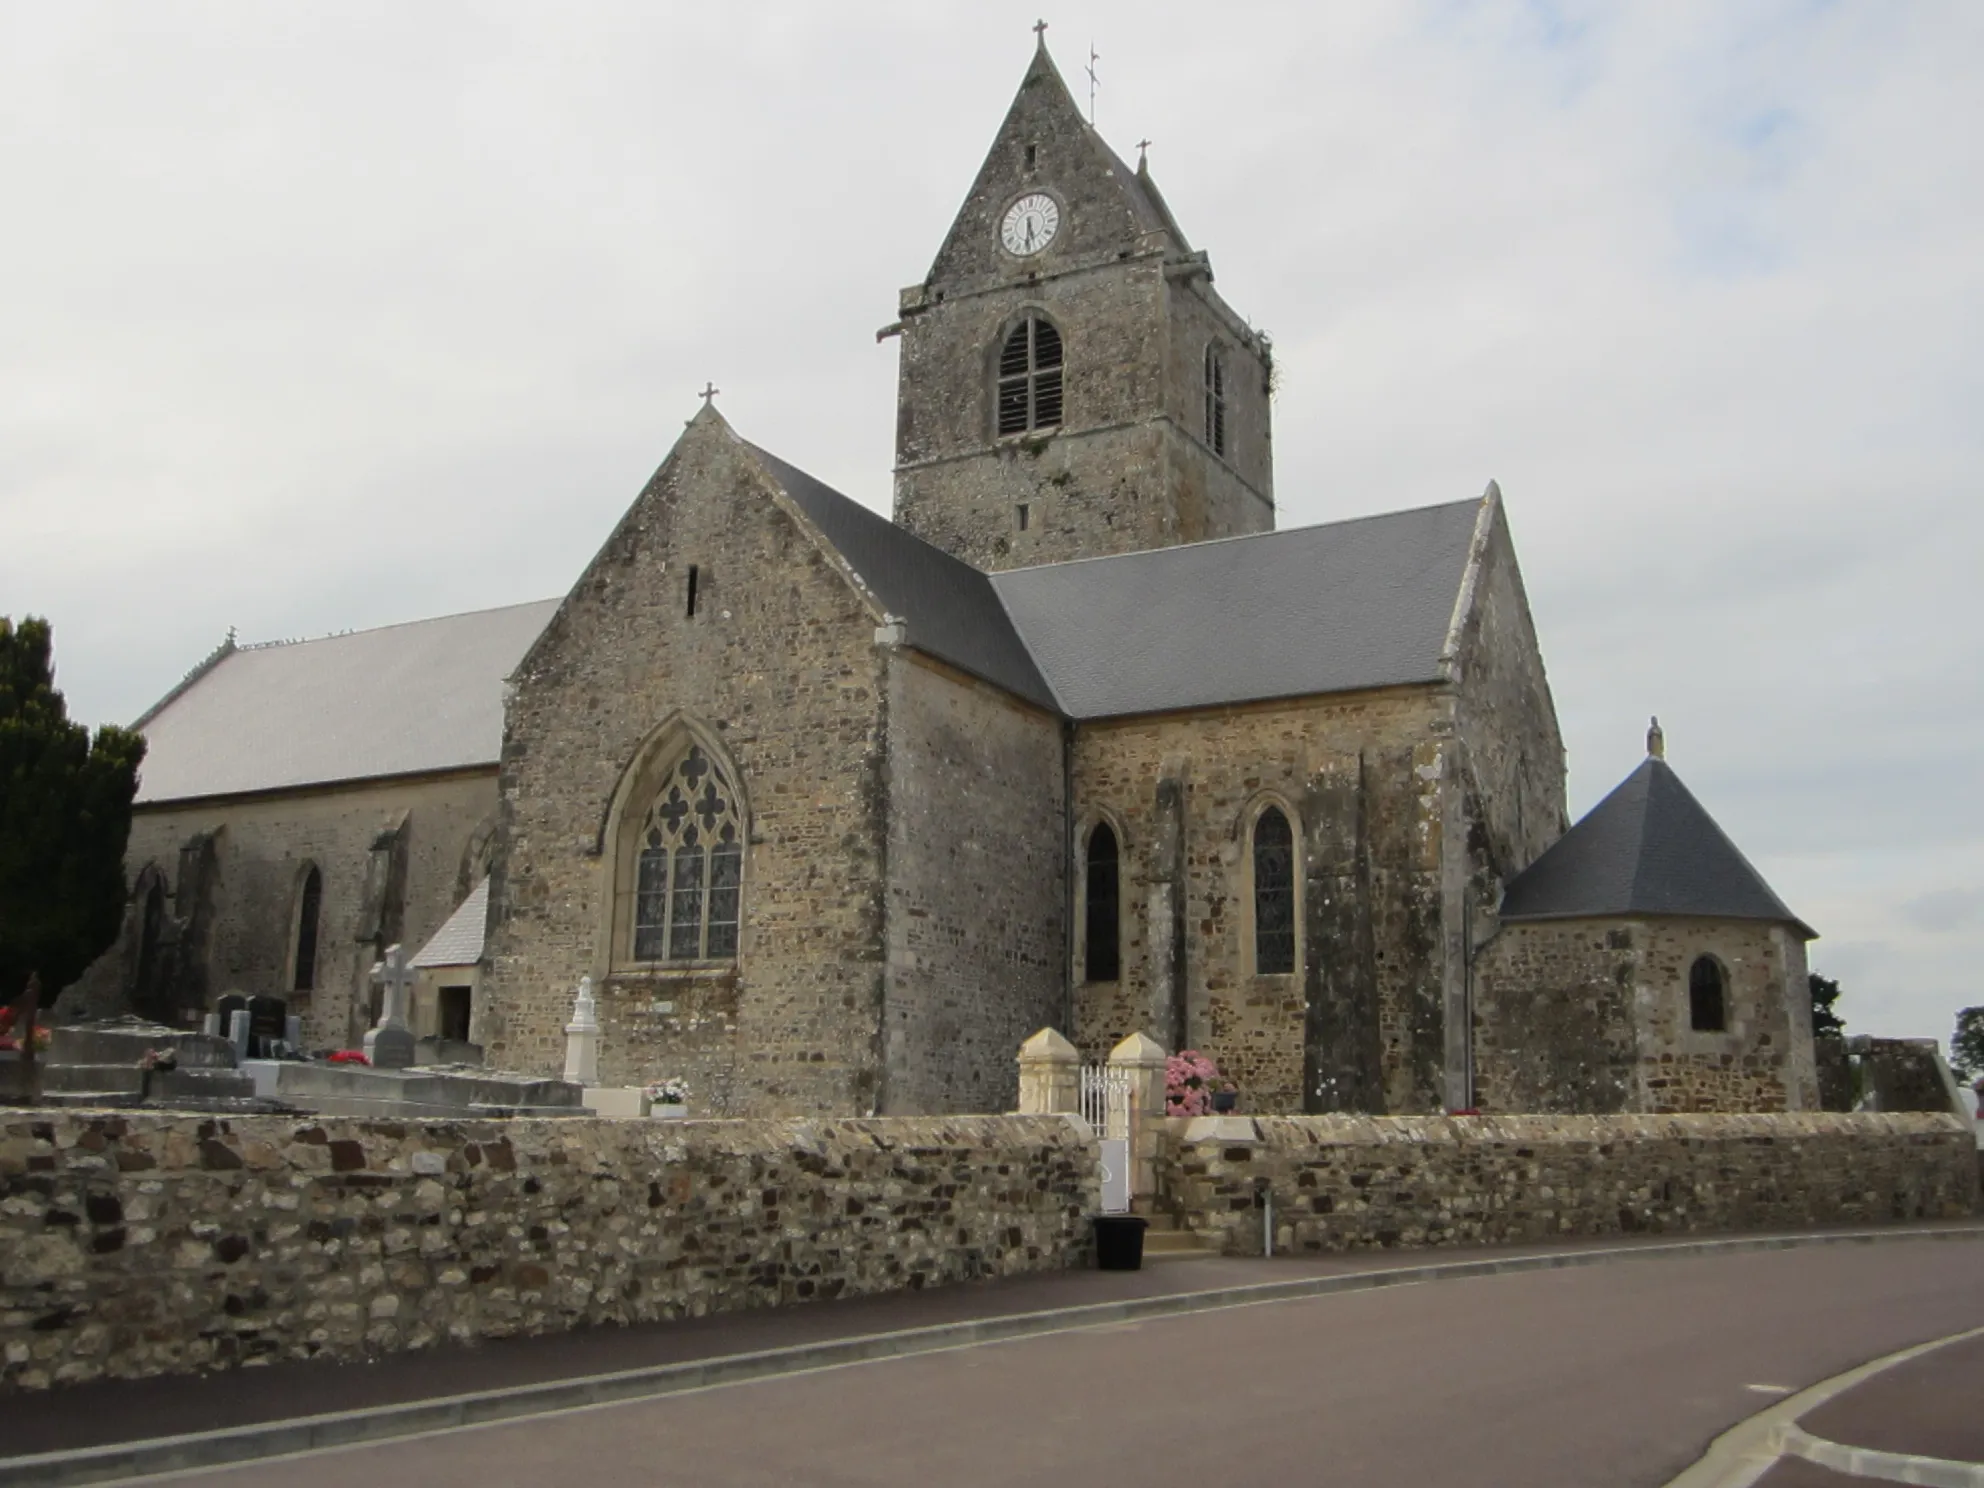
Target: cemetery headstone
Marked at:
267, 1020
390, 1045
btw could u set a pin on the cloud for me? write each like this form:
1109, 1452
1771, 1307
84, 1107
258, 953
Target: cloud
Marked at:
1945, 910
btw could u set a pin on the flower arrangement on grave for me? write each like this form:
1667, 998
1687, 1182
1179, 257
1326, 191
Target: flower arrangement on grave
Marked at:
159, 1059
673, 1091
11, 1043
349, 1056
1189, 1081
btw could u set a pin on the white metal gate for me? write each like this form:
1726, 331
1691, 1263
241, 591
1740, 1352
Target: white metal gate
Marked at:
1105, 1097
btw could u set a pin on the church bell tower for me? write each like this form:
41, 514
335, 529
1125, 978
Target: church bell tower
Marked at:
1071, 384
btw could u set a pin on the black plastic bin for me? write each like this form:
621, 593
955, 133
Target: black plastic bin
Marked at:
1119, 1242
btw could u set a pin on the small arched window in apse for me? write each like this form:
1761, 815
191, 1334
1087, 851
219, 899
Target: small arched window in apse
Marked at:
1274, 894
1216, 398
1708, 999
309, 909
1102, 921
1030, 377
150, 929
690, 868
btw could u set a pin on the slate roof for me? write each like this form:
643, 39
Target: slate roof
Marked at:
949, 608
1339, 607
1649, 848
404, 699
459, 942
1334, 608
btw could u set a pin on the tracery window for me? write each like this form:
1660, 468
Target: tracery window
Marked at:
690, 867
1216, 398
309, 908
1274, 894
1030, 377
1102, 955
1708, 1002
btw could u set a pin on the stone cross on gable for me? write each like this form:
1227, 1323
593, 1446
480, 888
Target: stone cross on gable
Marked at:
390, 1045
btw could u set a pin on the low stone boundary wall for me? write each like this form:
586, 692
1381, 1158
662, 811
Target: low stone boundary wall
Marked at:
1351, 1182
139, 1244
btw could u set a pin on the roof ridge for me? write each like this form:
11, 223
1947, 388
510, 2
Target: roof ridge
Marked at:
1237, 537
342, 635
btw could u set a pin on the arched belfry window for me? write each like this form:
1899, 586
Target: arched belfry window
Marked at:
689, 866
309, 909
1274, 893
1708, 996
1216, 398
1030, 377
1102, 942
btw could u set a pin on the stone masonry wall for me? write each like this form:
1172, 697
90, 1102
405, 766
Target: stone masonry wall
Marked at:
262, 848
1593, 1015
977, 896
1183, 791
136, 1245
779, 670
1351, 1183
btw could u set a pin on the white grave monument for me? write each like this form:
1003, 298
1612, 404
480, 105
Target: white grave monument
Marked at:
390, 1045
582, 1038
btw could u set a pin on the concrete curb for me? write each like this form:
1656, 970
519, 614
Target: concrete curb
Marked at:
141, 1459
1751, 1448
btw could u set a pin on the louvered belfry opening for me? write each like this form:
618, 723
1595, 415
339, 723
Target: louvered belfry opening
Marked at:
1030, 377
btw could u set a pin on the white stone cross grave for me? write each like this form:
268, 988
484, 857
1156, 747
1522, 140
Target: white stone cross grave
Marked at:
390, 1045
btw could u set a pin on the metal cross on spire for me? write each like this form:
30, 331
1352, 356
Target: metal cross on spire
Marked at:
1040, 32
709, 392
1094, 82
1143, 152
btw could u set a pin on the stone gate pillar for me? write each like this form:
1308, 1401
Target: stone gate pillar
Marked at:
1050, 1075
1141, 1059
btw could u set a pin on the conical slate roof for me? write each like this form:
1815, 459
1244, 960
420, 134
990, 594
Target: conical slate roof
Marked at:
1649, 848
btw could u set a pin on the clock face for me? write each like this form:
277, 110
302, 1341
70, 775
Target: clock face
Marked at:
1030, 224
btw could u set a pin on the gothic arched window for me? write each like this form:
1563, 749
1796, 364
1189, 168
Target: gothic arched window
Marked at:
1030, 377
151, 929
1274, 894
1708, 1003
309, 907
1216, 398
689, 867
1102, 945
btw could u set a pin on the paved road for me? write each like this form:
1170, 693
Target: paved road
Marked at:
1615, 1375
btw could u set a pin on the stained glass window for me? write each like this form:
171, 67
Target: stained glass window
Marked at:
1274, 894
1103, 955
1707, 1010
690, 867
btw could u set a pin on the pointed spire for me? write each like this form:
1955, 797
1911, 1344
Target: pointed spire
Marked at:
1656, 741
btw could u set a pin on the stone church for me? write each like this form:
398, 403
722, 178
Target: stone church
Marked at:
836, 810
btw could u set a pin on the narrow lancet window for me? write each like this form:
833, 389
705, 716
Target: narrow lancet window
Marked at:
310, 904
1216, 399
1708, 1010
689, 871
1274, 894
1103, 946
1030, 377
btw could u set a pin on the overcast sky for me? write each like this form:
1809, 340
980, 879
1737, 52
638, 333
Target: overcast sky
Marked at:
327, 316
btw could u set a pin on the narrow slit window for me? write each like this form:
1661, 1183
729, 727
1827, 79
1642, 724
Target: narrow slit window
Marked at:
1216, 399
1274, 894
1023, 516
1102, 959
1708, 1000
310, 905
1032, 156
692, 591
1029, 394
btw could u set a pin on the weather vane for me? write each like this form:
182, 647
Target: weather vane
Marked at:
1093, 82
